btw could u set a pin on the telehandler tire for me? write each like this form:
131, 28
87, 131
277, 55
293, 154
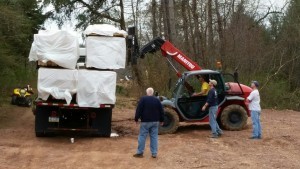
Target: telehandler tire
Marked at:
171, 122
233, 117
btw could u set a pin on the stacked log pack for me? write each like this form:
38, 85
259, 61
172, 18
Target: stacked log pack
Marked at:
57, 53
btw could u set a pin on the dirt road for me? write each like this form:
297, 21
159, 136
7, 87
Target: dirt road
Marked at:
190, 147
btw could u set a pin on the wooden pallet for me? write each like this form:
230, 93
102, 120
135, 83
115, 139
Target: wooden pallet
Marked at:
47, 64
114, 35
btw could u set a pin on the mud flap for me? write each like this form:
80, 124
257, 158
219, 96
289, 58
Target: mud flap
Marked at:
41, 120
102, 122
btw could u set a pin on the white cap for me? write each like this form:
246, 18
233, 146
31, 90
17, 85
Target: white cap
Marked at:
214, 82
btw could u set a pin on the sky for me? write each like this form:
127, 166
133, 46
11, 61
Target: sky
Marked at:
275, 4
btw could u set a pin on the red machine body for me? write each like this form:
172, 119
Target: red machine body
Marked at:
233, 110
168, 50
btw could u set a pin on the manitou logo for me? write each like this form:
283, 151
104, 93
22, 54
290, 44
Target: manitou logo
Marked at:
185, 61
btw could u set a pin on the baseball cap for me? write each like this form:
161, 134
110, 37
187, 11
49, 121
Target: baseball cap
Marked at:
255, 83
214, 82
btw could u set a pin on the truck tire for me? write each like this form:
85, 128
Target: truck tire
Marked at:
233, 117
171, 122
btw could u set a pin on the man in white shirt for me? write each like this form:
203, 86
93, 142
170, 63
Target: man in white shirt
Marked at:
254, 107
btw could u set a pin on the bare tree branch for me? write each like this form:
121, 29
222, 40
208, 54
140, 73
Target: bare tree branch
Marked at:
269, 78
267, 14
103, 15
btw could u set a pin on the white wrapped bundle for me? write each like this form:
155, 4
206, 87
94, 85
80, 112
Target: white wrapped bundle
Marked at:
104, 30
96, 87
104, 52
60, 47
60, 83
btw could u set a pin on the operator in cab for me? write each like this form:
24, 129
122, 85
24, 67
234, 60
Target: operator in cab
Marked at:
204, 87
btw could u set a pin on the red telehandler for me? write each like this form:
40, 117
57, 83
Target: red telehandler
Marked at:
183, 107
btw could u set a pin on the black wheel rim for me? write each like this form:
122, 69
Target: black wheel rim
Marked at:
235, 117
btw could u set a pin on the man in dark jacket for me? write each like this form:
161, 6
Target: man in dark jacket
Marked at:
212, 103
150, 112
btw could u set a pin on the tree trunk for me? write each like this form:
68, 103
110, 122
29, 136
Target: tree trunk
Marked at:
172, 30
198, 45
133, 14
220, 32
210, 32
122, 18
186, 44
169, 20
192, 34
154, 23
160, 20
169, 28
165, 18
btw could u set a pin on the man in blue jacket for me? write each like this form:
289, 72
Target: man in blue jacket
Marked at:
212, 103
151, 114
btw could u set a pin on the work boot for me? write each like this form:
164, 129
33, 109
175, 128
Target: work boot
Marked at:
138, 155
153, 156
214, 136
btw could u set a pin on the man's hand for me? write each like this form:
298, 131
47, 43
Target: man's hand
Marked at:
161, 123
203, 108
195, 94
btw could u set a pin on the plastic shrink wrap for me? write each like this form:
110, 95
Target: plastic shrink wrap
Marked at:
60, 47
60, 83
105, 30
96, 88
104, 52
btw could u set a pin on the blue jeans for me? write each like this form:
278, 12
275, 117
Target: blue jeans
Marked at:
150, 128
255, 116
215, 129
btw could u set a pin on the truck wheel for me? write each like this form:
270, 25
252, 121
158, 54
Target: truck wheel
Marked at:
14, 100
234, 117
171, 122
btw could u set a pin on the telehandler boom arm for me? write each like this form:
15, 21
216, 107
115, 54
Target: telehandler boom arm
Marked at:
169, 51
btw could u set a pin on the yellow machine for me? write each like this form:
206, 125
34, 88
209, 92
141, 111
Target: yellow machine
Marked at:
22, 96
